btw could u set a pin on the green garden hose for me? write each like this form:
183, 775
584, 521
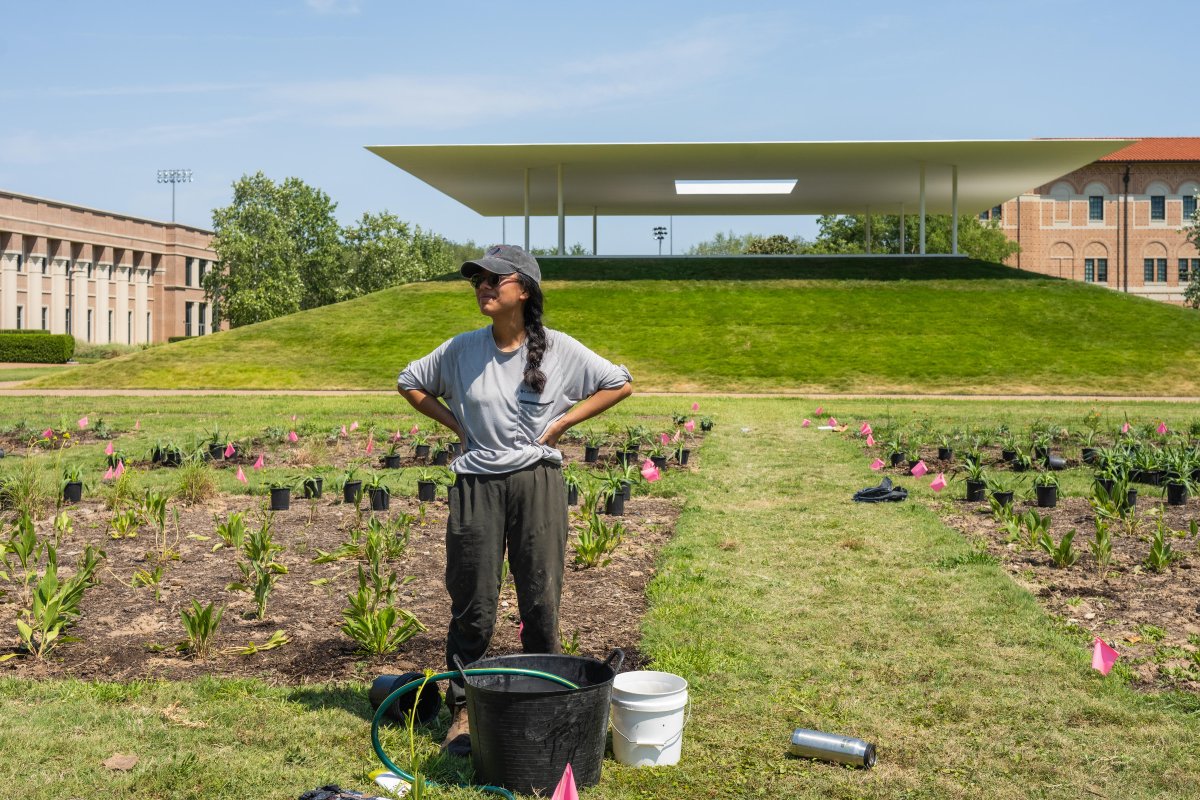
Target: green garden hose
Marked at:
441, 676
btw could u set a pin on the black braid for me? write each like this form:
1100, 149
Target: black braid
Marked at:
535, 335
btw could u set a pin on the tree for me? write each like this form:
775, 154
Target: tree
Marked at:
847, 234
277, 247
382, 250
1191, 295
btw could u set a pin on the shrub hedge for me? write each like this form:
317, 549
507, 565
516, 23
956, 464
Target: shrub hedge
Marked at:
37, 348
21, 330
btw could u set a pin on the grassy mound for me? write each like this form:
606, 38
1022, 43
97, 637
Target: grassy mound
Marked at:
838, 325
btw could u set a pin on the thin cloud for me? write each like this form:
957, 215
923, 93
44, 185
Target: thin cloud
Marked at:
333, 6
135, 90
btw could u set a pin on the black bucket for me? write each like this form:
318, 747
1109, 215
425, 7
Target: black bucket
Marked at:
525, 730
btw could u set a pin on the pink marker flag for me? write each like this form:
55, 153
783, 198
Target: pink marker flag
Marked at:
521, 630
833, 422
414, 430
344, 431
1125, 428
664, 439
939, 483
1162, 428
1103, 656
83, 422
137, 425
865, 430
690, 425
919, 469
120, 470
650, 472
370, 443
108, 476
108, 451
258, 463
877, 464
292, 437
230, 450
695, 406
354, 426
820, 410
397, 437
293, 417
48, 434
870, 440
677, 436
241, 476
566, 786
805, 423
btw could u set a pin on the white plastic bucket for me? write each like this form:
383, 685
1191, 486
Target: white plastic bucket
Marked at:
649, 711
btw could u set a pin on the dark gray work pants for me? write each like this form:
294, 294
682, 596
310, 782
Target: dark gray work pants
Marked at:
526, 512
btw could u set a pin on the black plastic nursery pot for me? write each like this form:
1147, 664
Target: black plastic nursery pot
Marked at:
659, 461
172, 458
896, 458
1089, 455
1008, 455
1047, 496
945, 454
1040, 453
72, 492
626, 490
216, 451
381, 498
625, 456
391, 462
1003, 498
426, 491
455, 449
1131, 498
683, 456
350, 491
706, 426
428, 705
114, 459
441, 458
572, 495
1177, 494
525, 730
1107, 484
975, 491
422, 451
312, 487
281, 499
1056, 463
615, 505
591, 454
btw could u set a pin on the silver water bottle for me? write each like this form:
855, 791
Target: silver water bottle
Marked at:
832, 747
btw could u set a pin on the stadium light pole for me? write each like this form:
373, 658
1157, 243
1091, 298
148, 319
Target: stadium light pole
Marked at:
660, 233
174, 176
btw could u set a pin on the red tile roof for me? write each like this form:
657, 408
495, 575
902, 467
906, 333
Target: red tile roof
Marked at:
1159, 148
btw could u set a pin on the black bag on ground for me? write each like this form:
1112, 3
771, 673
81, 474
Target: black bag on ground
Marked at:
883, 493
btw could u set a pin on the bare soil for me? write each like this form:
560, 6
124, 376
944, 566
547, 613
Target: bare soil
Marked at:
124, 633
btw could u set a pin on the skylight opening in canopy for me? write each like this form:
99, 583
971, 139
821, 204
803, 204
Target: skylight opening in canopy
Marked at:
735, 187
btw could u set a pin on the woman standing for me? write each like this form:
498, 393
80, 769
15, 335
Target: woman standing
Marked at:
511, 390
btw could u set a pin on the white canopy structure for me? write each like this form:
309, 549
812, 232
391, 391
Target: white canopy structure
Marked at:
729, 178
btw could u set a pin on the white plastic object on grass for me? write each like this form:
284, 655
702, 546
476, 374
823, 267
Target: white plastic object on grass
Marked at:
391, 782
649, 712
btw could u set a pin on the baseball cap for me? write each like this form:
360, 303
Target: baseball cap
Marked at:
504, 259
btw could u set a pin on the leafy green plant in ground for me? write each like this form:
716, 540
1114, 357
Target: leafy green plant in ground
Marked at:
200, 625
596, 540
259, 568
373, 621
1062, 554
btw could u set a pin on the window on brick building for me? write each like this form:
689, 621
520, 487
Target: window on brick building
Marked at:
88, 333
1162, 270
1185, 274
20, 262
1158, 206
187, 272
1095, 270
1189, 206
110, 325
1147, 270
1102, 270
1096, 208
45, 266
996, 212
45, 318
128, 327
187, 318
20, 317
203, 308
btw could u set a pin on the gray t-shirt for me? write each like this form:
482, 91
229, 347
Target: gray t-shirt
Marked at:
484, 389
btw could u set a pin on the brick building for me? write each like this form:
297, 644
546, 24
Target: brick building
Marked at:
101, 276
1090, 225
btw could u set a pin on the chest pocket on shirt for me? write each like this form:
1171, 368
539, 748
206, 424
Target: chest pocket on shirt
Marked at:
535, 411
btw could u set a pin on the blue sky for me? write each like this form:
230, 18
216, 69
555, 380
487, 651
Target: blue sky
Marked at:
98, 96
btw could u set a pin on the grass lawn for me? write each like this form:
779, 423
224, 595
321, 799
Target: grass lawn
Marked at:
781, 602
967, 331
27, 373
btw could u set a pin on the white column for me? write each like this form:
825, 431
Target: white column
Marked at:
954, 209
562, 220
8, 290
33, 294
527, 208
868, 219
59, 269
902, 228
121, 328
594, 250
102, 283
922, 208
141, 292
79, 316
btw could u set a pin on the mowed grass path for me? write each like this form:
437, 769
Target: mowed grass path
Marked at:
984, 336
784, 604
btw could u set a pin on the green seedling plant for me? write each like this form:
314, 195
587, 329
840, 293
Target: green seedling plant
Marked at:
151, 578
232, 532
55, 602
1036, 527
596, 541
124, 524
1161, 554
62, 527
375, 623
1062, 554
200, 626
278, 639
1101, 546
260, 570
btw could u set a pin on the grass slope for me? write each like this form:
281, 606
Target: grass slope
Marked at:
955, 333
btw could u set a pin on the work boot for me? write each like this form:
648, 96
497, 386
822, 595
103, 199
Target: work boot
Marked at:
458, 738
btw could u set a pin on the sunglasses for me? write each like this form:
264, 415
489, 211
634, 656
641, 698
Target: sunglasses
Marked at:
491, 281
